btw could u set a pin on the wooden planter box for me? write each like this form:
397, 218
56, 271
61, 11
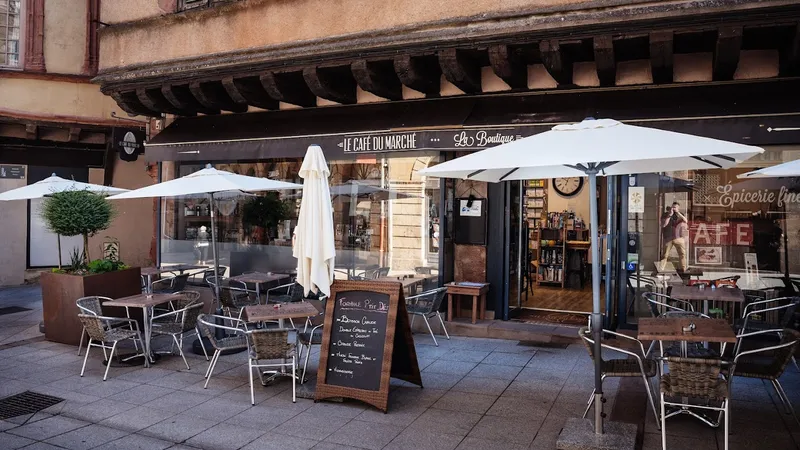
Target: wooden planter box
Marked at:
60, 291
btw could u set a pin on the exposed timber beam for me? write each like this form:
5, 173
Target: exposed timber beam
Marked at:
378, 77
31, 131
154, 99
726, 52
421, 73
332, 83
790, 54
288, 87
181, 98
74, 134
604, 60
213, 95
248, 90
129, 102
557, 64
661, 56
461, 70
509, 65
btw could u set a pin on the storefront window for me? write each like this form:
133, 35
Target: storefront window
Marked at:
386, 219
699, 226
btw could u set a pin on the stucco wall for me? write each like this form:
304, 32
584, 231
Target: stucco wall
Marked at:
117, 11
133, 226
258, 23
14, 223
64, 35
55, 97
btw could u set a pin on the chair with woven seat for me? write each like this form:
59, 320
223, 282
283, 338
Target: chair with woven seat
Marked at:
427, 306
179, 323
639, 366
93, 305
169, 285
698, 379
768, 363
767, 314
98, 329
311, 335
207, 324
270, 345
286, 293
234, 298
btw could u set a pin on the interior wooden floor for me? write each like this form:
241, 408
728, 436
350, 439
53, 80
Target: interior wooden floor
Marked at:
556, 298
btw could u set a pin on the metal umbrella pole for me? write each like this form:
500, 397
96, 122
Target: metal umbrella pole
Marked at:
597, 316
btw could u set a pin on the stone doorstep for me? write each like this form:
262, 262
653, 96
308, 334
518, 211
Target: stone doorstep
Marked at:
498, 329
578, 434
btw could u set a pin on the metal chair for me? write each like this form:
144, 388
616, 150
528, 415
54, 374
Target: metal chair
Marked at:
270, 345
286, 293
169, 285
98, 330
178, 323
660, 303
92, 305
311, 336
639, 366
234, 298
207, 325
427, 305
768, 314
694, 378
768, 363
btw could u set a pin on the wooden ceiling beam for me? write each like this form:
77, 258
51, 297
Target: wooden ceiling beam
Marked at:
420, 73
332, 83
661, 56
154, 99
249, 91
461, 70
129, 102
288, 87
212, 95
604, 60
726, 52
378, 77
180, 97
558, 65
509, 66
790, 55
74, 134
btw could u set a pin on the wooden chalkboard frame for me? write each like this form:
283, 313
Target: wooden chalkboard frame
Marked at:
399, 354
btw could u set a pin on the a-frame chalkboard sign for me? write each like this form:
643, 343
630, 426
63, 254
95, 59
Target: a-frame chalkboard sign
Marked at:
366, 340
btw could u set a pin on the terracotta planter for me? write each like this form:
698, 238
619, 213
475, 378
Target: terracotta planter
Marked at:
59, 292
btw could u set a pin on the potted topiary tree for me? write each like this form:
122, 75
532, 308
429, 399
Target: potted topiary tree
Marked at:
80, 213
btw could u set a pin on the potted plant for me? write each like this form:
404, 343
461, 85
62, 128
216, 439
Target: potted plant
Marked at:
81, 213
261, 215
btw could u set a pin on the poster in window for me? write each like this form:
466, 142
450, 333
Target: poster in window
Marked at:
708, 255
751, 265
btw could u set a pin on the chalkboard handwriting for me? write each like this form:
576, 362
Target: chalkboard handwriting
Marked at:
336, 369
366, 305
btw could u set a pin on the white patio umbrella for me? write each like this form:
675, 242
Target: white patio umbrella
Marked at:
314, 245
591, 148
52, 185
214, 184
789, 169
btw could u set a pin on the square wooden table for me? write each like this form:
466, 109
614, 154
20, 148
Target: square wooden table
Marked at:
408, 283
671, 329
146, 302
706, 295
475, 290
150, 272
259, 278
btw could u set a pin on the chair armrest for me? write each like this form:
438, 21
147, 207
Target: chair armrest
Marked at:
625, 336
774, 330
760, 302
120, 319
171, 313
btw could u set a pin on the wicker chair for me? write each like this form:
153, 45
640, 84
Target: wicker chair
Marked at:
170, 285
98, 330
639, 366
92, 305
768, 363
660, 303
269, 345
286, 293
178, 323
207, 325
768, 314
694, 378
311, 335
427, 306
234, 298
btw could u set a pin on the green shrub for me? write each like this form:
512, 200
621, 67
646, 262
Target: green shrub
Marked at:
77, 213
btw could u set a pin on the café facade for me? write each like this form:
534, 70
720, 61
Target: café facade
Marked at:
380, 116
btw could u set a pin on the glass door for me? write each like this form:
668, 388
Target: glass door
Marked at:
516, 247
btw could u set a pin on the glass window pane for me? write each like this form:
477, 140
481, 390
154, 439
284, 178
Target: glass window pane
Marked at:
13, 34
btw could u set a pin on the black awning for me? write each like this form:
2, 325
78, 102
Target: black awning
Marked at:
736, 112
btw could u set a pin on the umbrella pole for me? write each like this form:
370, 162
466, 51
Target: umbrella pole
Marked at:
214, 248
597, 317
58, 240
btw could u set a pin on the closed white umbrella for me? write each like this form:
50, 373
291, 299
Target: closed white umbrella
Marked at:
591, 148
214, 184
314, 245
53, 184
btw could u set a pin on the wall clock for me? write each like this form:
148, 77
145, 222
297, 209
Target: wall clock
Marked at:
568, 186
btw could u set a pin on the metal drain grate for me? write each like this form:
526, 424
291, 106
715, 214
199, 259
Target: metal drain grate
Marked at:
12, 310
28, 402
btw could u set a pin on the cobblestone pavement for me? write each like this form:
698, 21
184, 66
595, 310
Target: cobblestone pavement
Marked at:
479, 393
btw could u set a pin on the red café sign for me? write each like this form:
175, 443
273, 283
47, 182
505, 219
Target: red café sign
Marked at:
721, 233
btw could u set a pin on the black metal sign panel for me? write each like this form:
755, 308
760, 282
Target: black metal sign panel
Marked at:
12, 172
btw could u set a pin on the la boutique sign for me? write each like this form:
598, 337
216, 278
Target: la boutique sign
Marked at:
730, 197
459, 139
